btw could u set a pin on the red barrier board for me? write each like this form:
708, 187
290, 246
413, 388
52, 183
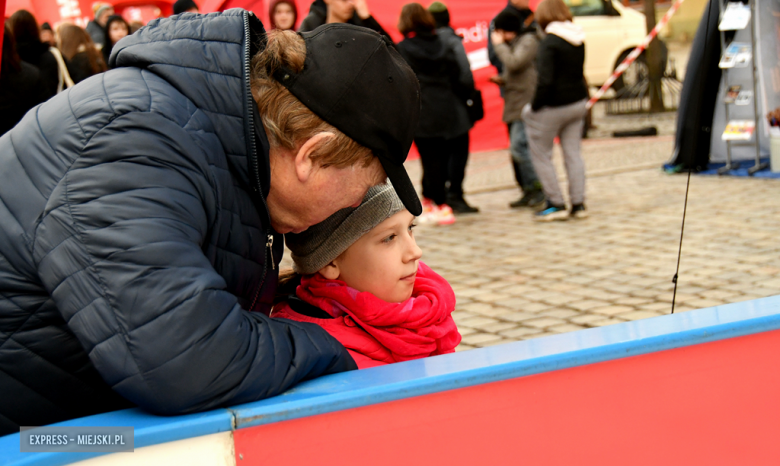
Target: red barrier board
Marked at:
708, 404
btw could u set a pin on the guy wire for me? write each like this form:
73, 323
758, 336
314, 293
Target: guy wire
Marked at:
682, 231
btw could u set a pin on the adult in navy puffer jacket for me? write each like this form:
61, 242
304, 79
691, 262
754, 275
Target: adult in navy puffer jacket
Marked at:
132, 243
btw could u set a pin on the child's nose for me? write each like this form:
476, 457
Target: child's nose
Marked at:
413, 251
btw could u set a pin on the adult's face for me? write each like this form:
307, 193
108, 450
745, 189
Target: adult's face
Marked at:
304, 193
340, 11
47, 37
520, 4
283, 16
117, 31
104, 16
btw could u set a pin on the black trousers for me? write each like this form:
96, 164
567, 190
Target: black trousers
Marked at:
443, 160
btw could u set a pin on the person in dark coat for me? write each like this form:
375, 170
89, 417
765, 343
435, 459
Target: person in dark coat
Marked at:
557, 110
340, 11
142, 232
82, 57
459, 159
116, 29
20, 85
24, 28
444, 123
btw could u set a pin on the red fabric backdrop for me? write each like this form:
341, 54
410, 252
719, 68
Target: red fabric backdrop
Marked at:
469, 17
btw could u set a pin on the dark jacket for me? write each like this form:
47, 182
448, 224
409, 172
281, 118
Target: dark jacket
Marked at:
97, 33
559, 65
318, 14
135, 238
455, 43
79, 67
19, 91
442, 112
38, 55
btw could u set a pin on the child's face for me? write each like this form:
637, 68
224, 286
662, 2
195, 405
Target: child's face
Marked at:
382, 262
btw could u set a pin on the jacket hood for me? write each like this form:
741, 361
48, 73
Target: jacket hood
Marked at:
567, 31
425, 47
447, 31
207, 59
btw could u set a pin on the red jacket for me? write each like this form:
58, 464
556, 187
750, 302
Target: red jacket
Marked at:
376, 332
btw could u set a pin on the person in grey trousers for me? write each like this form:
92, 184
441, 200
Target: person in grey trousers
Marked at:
558, 108
516, 47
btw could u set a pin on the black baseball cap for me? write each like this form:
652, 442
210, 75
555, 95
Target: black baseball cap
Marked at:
354, 79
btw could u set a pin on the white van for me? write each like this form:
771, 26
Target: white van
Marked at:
612, 31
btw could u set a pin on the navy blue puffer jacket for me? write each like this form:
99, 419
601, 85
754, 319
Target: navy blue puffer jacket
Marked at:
134, 238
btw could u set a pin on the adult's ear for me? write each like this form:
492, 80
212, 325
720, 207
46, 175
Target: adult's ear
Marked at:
331, 271
304, 165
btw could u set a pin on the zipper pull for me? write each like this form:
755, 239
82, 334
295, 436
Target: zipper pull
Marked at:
270, 245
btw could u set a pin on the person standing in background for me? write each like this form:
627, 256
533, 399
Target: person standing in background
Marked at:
20, 85
521, 9
25, 30
444, 122
516, 47
460, 156
47, 35
340, 11
96, 27
283, 14
116, 29
81, 54
558, 108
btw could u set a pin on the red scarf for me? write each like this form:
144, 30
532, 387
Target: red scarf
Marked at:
419, 327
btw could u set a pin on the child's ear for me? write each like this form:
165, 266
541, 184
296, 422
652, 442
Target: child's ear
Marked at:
330, 271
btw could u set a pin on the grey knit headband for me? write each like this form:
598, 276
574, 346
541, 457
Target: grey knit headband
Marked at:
316, 247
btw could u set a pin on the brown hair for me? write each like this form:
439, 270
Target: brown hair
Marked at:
73, 39
288, 123
24, 27
272, 12
415, 18
551, 10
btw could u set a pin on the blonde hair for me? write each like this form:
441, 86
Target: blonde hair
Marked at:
288, 123
551, 10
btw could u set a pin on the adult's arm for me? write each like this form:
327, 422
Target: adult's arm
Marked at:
522, 56
120, 251
545, 68
466, 77
494, 60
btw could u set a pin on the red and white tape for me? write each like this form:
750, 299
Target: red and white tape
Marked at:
634, 54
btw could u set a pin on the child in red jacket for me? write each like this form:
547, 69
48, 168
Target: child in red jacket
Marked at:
361, 280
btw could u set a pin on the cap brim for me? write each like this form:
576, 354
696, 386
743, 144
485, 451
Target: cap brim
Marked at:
402, 185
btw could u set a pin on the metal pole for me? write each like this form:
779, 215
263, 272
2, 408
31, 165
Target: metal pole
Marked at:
729, 166
753, 18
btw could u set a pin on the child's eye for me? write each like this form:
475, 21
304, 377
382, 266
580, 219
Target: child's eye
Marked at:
411, 226
389, 238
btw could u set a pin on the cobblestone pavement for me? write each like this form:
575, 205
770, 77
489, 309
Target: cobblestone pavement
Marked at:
515, 279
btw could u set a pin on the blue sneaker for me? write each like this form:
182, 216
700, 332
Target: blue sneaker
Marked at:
551, 213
